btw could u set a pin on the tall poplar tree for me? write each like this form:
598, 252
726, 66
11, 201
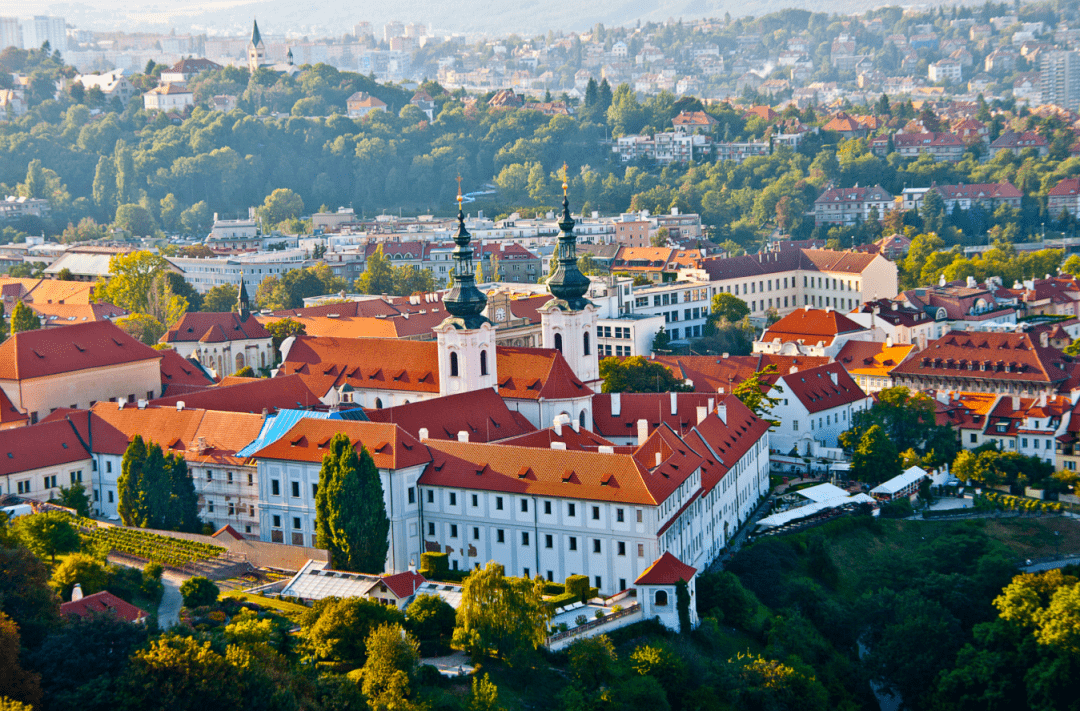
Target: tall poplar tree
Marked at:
351, 520
183, 511
132, 507
104, 188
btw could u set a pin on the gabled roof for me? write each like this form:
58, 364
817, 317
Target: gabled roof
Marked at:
978, 191
8, 412
46, 444
214, 328
931, 139
667, 570
404, 585
716, 374
103, 602
250, 395
987, 355
856, 194
579, 439
1012, 139
815, 260
534, 373
383, 363
811, 325
654, 408
179, 375
871, 358
308, 440
53, 351
817, 391
1065, 187
483, 414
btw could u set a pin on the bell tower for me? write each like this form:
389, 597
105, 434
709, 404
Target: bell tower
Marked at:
256, 51
466, 337
568, 321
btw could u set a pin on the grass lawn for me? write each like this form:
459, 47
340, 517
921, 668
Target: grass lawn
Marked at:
273, 603
1034, 537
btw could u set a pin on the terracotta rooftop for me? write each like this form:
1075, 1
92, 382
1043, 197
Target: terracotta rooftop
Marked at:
667, 570
390, 446
102, 603
83, 346
870, 358
250, 395
817, 392
811, 326
214, 328
46, 444
814, 260
991, 356
180, 376
483, 414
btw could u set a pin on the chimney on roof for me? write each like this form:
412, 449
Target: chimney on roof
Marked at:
142, 404
659, 459
76, 593
793, 369
557, 425
423, 433
1044, 339
721, 412
606, 449
642, 430
674, 403
1015, 402
702, 413
1042, 400
616, 404
462, 436
179, 405
559, 445
574, 425
712, 404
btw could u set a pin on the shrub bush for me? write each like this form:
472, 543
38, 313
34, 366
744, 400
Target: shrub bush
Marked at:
578, 585
433, 565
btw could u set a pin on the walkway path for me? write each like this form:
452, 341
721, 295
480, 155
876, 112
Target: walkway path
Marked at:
739, 538
171, 601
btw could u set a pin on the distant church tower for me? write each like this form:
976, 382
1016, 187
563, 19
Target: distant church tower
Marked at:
256, 51
568, 321
243, 304
466, 338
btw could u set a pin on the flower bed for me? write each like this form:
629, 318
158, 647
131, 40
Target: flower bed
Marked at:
993, 500
174, 552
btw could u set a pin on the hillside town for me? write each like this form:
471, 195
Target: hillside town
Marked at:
725, 363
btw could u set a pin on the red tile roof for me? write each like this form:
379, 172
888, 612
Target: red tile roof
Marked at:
987, 356
391, 447
363, 363
784, 261
651, 407
483, 414
103, 602
179, 375
978, 191
816, 390
579, 439
404, 584
1066, 186
716, 374
930, 139
46, 444
667, 570
52, 351
249, 395
534, 373
229, 531
811, 326
8, 412
722, 443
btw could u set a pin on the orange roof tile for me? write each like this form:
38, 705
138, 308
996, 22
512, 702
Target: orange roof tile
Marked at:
45, 352
390, 446
811, 326
667, 570
45, 444
100, 603
248, 395
483, 414
870, 358
8, 412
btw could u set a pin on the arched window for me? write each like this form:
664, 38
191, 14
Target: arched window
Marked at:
262, 360
483, 363
585, 342
661, 598
558, 342
239, 361
378, 403
581, 419
453, 365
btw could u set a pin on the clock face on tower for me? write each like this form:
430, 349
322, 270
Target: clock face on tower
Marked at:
500, 314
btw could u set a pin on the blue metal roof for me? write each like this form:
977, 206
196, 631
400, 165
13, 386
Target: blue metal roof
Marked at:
275, 427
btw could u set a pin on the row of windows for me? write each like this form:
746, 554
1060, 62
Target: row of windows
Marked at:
620, 332
526, 538
571, 507
619, 350
229, 478
777, 284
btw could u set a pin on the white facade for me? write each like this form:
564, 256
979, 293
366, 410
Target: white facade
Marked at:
204, 273
467, 360
573, 333
800, 427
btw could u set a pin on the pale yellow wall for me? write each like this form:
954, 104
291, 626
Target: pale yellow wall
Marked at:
81, 387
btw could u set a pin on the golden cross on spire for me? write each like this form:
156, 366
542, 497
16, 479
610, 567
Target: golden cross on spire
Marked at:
459, 198
565, 184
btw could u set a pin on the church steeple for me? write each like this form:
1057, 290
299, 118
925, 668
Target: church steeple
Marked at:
568, 285
242, 302
256, 38
464, 302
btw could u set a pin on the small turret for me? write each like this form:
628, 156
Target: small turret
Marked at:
464, 302
568, 285
243, 306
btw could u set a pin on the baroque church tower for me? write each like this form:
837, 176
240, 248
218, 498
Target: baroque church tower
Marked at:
256, 51
466, 338
568, 321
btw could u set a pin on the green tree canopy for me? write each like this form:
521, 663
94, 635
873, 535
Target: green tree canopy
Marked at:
501, 616
637, 375
49, 533
23, 318
351, 520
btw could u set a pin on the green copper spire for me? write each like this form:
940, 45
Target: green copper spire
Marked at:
465, 302
568, 284
256, 38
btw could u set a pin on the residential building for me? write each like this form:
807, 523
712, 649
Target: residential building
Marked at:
1017, 142
75, 367
848, 206
39, 459
817, 404
1064, 197
787, 280
86, 607
362, 103
901, 322
869, 363
187, 69
204, 273
941, 146
947, 69
113, 84
1059, 79
813, 332
168, 97
985, 362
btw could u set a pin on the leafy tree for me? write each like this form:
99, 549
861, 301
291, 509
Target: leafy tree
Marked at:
219, 299
390, 667
196, 219
199, 592
432, 620
91, 574
771, 684
908, 420
875, 459
132, 505
104, 187
757, 393
728, 307
48, 533
245, 372
378, 276
289, 290
134, 219
23, 318
661, 341
637, 375
593, 661
282, 329
484, 695
133, 280
281, 205
181, 674
142, 327
16, 683
501, 616
337, 629
25, 595
351, 522
660, 238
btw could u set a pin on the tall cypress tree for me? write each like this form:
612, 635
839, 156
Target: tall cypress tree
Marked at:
351, 520
155, 487
183, 501
132, 506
